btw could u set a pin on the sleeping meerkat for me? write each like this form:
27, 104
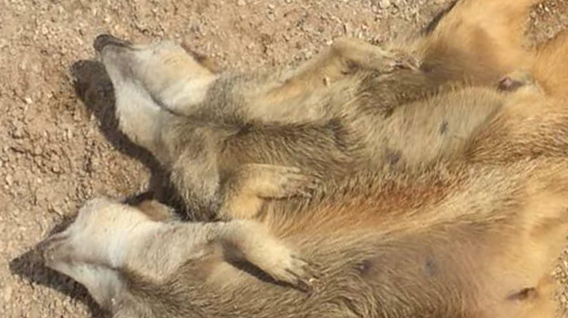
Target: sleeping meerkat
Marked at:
471, 241
233, 141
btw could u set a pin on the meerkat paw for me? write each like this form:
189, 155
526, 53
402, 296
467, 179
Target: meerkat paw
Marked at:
254, 183
401, 60
356, 53
252, 242
285, 266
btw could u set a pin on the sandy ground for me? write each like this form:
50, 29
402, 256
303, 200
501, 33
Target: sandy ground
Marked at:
53, 153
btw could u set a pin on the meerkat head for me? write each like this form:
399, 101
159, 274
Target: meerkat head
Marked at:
162, 73
91, 250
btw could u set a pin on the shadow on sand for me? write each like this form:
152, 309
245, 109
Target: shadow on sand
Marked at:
30, 266
94, 88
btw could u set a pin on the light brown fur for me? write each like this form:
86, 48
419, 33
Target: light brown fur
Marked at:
475, 235
385, 245
354, 107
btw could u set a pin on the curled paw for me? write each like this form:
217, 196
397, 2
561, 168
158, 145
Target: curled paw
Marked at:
295, 271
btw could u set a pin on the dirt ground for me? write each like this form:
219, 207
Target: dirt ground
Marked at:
53, 155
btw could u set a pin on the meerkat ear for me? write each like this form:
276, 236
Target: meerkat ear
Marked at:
202, 59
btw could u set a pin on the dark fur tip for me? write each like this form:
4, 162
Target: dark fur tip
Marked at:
103, 40
522, 295
508, 84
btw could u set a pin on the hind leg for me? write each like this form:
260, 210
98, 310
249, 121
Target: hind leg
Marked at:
534, 120
539, 301
551, 66
479, 41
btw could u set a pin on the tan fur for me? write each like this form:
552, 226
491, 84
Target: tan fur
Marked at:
551, 63
156, 211
464, 215
480, 40
354, 107
239, 241
461, 241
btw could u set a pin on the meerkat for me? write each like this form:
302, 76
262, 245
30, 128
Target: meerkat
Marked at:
470, 241
233, 141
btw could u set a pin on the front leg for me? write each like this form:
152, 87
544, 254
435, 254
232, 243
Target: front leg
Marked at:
347, 54
251, 184
159, 250
252, 242
276, 98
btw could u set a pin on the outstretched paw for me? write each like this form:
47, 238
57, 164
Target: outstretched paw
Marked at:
403, 60
253, 243
295, 271
360, 54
